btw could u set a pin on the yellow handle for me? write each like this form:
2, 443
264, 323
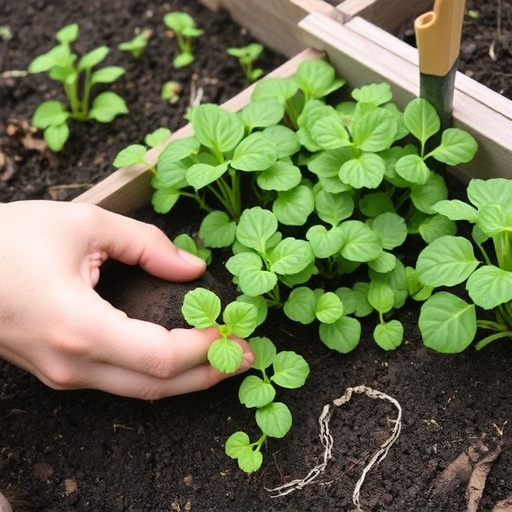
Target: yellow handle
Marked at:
438, 35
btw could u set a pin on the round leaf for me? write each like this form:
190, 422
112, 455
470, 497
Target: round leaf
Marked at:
241, 318
389, 335
253, 392
342, 335
329, 308
201, 308
225, 355
301, 305
290, 370
490, 286
274, 420
217, 230
264, 352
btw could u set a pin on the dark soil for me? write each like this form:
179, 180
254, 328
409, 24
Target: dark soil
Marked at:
89, 451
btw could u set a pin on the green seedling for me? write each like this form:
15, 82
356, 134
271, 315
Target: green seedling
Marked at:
290, 371
192, 246
5, 33
246, 56
449, 323
201, 308
137, 45
77, 77
137, 153
184, 28
171, 91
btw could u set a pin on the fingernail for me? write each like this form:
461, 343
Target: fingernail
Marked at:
190, 258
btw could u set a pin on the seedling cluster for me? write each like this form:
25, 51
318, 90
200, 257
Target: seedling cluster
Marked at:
317, 201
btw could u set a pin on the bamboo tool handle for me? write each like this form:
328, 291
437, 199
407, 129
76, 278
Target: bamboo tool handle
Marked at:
438, 35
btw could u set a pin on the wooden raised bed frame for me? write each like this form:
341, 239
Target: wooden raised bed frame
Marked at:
362, 52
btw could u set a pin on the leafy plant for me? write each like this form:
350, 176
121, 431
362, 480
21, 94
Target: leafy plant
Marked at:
289, 370
184, 27
137, 44
171, 91
77, 77
449, 323
137, 153
246, 56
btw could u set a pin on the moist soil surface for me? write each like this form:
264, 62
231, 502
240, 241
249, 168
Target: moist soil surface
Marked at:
90, 451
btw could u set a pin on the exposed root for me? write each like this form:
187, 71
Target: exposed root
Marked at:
327, 441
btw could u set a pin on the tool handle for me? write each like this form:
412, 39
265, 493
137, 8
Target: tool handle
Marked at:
438, 34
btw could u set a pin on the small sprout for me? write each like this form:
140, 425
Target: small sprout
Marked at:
5, 33
171, 91
246, 57
137, 45
136, 153
183, 26
473, 13
77, 77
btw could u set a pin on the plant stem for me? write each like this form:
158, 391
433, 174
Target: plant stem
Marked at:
483, 343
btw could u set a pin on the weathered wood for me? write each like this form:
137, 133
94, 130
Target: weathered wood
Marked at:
386, 14
274, 22
363, 53
129, 188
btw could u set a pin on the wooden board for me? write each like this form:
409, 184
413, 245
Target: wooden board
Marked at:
130, 187
363, 53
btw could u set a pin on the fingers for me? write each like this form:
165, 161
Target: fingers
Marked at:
137, 243
141, 346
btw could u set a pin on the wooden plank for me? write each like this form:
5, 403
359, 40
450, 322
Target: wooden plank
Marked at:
386, 14
129, 187
363, 53
274, 22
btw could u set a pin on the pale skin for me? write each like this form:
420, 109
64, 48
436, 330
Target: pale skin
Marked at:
53, 323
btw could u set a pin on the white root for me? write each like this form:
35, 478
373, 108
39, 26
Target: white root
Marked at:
327, 441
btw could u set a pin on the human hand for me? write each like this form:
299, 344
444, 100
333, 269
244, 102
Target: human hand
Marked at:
54, 325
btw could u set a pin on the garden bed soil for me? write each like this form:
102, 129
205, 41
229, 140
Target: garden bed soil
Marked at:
90, 451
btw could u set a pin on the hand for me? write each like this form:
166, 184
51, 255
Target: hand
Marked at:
54, 325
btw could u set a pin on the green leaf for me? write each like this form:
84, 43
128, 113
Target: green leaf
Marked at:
315, 77
375, 130
325, 243
359, 241
201, 308
90, 59
374, 94
51, 112
68, 34
254, 153
364, 171
255, 228
293, 207
217, 230
217, 128
262, 112
106, 106
381, 296
436, 226
301, 305
486, 192
447, 261
157, 137
413, 169
244, 261
259, 303
241, 318
201, 175
421, 119
56, 136
225, 355
392, 229
281, 175
389, 335
427, 195
456, 210
59, 56
256, 282
490, 286
342, 335
107, 75
284, 139
238, 447
280, 88
264, 352
187, 243
457, 147
163, 199
329, 308
178, 149
132, 154
363, 307
274, 420
375, 203
254, 392
290, 256
495, 219
330, 133
347, 298
290, 370
333, 208
447, 323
